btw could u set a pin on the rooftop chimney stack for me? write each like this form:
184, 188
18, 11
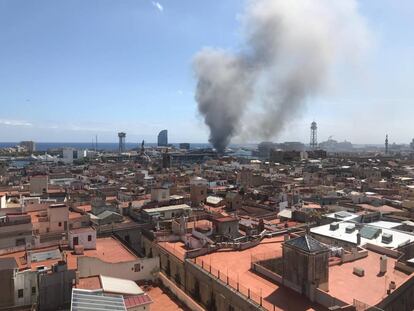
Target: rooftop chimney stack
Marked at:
358, 238
383, 264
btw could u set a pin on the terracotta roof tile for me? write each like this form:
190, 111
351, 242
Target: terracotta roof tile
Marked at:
138, 300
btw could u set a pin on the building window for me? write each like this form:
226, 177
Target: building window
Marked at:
60, 224
20, 242
137, 267
20, 293
33, 290
89, 238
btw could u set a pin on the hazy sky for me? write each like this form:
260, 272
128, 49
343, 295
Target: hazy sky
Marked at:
73, 69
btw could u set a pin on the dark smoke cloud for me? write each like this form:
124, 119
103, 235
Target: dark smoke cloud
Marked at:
225, 86
290, 49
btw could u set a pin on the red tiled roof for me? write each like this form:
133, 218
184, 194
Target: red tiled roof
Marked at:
85, 208
138, 300
91, 283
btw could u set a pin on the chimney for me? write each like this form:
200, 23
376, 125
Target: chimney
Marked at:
358, 238
77, 275
28, 259
383, 264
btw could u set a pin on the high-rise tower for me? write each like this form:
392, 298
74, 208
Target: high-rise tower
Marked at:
163, 138
314, 136
121, 147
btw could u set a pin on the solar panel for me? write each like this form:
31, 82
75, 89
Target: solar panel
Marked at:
342, 214
369, 232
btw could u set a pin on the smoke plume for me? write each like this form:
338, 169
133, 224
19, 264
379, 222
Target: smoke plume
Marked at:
290, 50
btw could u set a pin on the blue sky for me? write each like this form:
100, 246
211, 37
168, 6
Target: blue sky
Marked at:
73, 69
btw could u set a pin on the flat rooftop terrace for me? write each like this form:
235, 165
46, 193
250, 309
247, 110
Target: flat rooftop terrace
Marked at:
107, 249
162, 301
398, 237
372, 287
236, 264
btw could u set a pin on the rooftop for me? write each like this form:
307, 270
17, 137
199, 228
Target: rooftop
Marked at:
382, 208
372, 287
107, 249
213, 200
81, 230
162, 301
166, 208
95, 301
342, 215
307, 243
138, 300
90, 283
398, 237
236, 264
226, 219
46, 257
120, 286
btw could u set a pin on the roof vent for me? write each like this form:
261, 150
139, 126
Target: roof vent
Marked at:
383, 264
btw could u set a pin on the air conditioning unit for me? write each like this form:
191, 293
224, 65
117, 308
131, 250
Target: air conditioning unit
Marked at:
42, 269
350, 229
334, 226
386, 238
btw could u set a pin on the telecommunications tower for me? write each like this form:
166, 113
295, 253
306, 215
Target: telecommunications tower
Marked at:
314, 136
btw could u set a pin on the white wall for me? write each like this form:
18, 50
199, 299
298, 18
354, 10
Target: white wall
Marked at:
89, 266
83, 239
25, 280
3, 201
160, 194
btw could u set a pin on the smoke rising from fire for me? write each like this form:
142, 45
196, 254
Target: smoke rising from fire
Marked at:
290, 50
